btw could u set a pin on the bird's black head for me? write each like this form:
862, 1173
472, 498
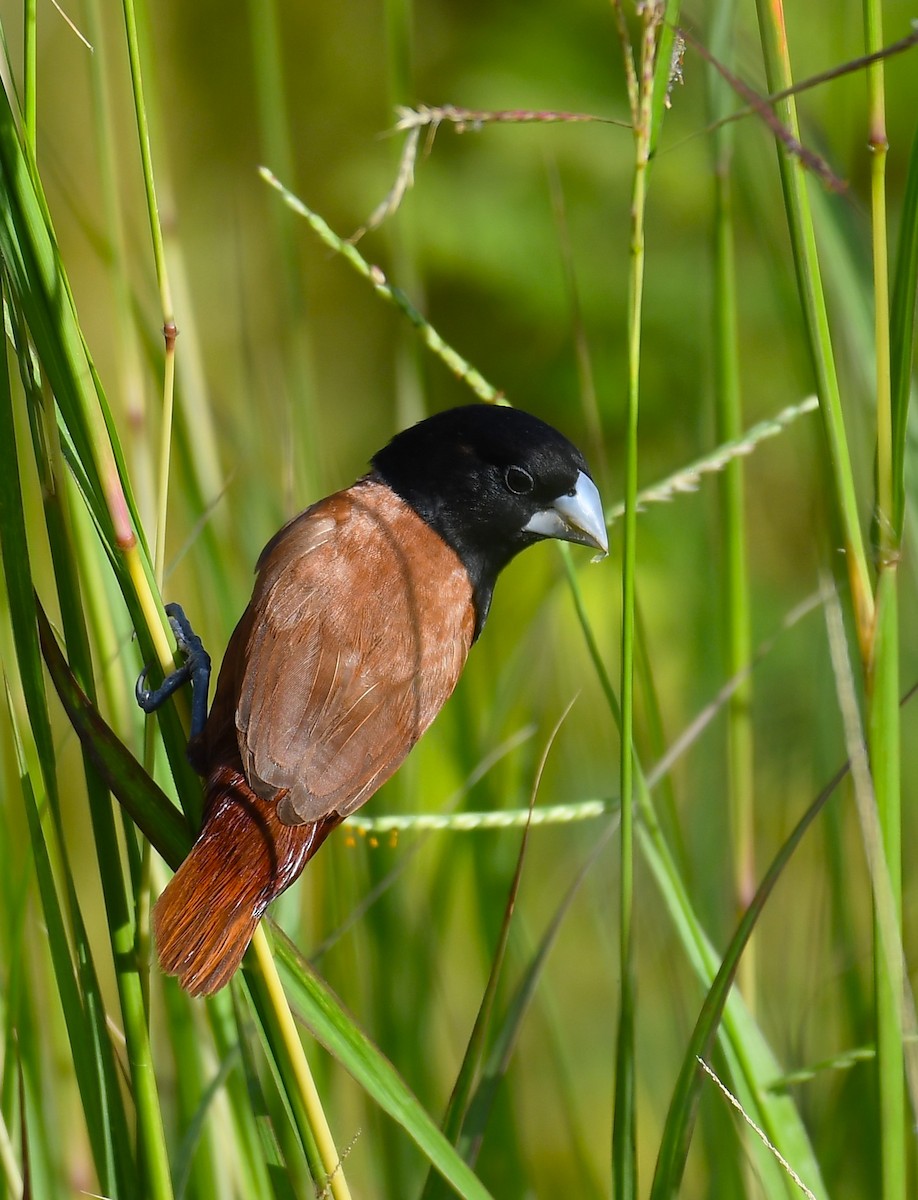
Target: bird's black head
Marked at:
491, 481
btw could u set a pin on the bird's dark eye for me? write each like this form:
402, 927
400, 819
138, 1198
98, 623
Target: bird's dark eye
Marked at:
518, 480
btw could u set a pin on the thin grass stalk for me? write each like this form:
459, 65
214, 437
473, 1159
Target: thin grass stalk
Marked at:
657, 745
902, 329
883, 721
21, 1050
200, 1176
454, 361
729, 418
277, 143
126, 343
883, 739
812, 299
879, 148
198, 437
146, 158
165, 293
77, 988
317, 1131
30, 72
410, 400
624, 1126
8, 1163
197, 1173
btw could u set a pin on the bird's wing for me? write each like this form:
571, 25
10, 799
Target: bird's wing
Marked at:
361, 621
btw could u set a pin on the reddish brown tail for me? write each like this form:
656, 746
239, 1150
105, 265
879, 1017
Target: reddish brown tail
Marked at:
243, 859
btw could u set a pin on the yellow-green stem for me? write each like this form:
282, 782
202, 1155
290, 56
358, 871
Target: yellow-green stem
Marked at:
165, 455
296, 1056
882, 663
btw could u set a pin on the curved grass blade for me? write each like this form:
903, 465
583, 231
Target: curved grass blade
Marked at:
504, 1043
680, 1119
459, 1109
148, 806
327, 1020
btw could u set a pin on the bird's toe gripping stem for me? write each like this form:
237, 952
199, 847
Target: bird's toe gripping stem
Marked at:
195, 668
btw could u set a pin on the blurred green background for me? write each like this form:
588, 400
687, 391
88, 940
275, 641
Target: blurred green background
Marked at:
291, 373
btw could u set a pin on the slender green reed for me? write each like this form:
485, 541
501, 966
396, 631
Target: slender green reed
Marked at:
640, 97
165, 291
882, 668
30, 71
278, 141
729, 417
815, 314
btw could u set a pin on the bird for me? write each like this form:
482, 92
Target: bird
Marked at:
364, 609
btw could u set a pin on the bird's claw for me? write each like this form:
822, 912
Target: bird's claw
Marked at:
195, 668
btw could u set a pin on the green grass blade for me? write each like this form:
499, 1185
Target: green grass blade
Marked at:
752, 1062
323, 1015
677, 1131
902, 332
148, 806
507, 1033
663, 78
195, 1136
815, 315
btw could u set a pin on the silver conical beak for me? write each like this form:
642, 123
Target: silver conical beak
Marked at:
574, 517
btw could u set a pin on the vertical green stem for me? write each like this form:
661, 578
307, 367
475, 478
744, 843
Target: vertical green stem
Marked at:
162, 278
307, 1104
813, 304
624, 1128
125, 342
729, 415
873, 22
882, 667
883, 739
30, 57
409, 377
146, 158
277, 142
